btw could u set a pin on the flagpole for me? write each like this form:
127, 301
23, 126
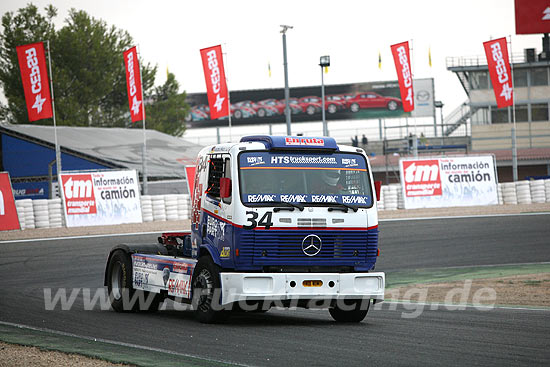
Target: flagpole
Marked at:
144, 150
57, 151
514, 138
413, 112
228, 92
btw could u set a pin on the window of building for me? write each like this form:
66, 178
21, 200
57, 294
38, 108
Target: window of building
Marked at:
520, 78
479, 80
539, 112
499, 115
521, 113
481, 116
539, 76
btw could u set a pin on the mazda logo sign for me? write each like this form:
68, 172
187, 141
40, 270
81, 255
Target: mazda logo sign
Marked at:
311, 245
422, 96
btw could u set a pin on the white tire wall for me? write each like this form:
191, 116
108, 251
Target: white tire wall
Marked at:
523, 192
55, 213
146, 208
184, 206
159, 209
538, 192
41, 213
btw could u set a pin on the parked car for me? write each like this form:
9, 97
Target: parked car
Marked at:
260, 109
372, 100
240, 110
310, 104
279, 105
335, 103
198, 113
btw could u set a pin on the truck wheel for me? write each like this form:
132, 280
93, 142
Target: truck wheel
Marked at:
207, 292
123, 297
349, 315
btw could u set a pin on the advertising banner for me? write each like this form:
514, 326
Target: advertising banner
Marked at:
499, 69
402, 60
34, 74
532, 16
133, 83
100, 198
214, 75
8, 213
448, 181
355, 101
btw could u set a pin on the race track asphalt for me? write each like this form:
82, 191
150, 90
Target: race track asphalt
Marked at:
388, 336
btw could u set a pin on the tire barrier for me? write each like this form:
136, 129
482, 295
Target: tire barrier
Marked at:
509, 193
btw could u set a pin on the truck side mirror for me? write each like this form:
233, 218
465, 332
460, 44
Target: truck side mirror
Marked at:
378, 188
225, 187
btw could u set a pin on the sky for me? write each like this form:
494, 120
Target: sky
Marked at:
170, 34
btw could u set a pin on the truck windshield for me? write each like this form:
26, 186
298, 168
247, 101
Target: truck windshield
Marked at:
307, 178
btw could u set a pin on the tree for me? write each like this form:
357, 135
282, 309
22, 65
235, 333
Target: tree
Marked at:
87, 65
168, 109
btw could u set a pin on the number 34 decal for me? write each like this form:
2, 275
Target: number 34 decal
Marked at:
252, 221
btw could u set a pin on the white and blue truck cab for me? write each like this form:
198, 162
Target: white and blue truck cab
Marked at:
280, 221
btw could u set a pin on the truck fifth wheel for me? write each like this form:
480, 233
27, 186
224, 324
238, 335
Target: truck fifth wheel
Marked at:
276, 221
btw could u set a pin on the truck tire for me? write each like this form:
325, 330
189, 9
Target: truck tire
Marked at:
354, 315
122, 295
207, 292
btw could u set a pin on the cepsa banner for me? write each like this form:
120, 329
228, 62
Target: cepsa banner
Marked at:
100, 198
402, 60
532, 16
499, 69
34, 74
8, 213
133, 83
448, 181
214, 75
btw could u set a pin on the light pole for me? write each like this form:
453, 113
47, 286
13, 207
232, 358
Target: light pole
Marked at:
287, 93
324, 62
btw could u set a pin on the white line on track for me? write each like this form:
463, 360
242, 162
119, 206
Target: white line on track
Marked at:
114, 342
456, 306
463, 217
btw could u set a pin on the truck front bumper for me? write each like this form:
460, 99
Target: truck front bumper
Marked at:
291, 286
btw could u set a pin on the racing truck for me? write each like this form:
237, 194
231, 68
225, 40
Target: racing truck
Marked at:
276, 221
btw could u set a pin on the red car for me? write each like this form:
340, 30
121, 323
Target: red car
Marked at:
280, 105
335, 102
310, 105
372, 100
259, 109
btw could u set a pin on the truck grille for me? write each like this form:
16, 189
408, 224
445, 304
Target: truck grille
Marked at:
284, 247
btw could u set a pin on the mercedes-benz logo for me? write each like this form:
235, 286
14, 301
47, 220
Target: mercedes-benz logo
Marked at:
311, 245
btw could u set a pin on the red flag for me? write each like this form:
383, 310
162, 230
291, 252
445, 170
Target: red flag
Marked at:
32, 62
133, 82
532, 16
499, 69
400, 52
212, 62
